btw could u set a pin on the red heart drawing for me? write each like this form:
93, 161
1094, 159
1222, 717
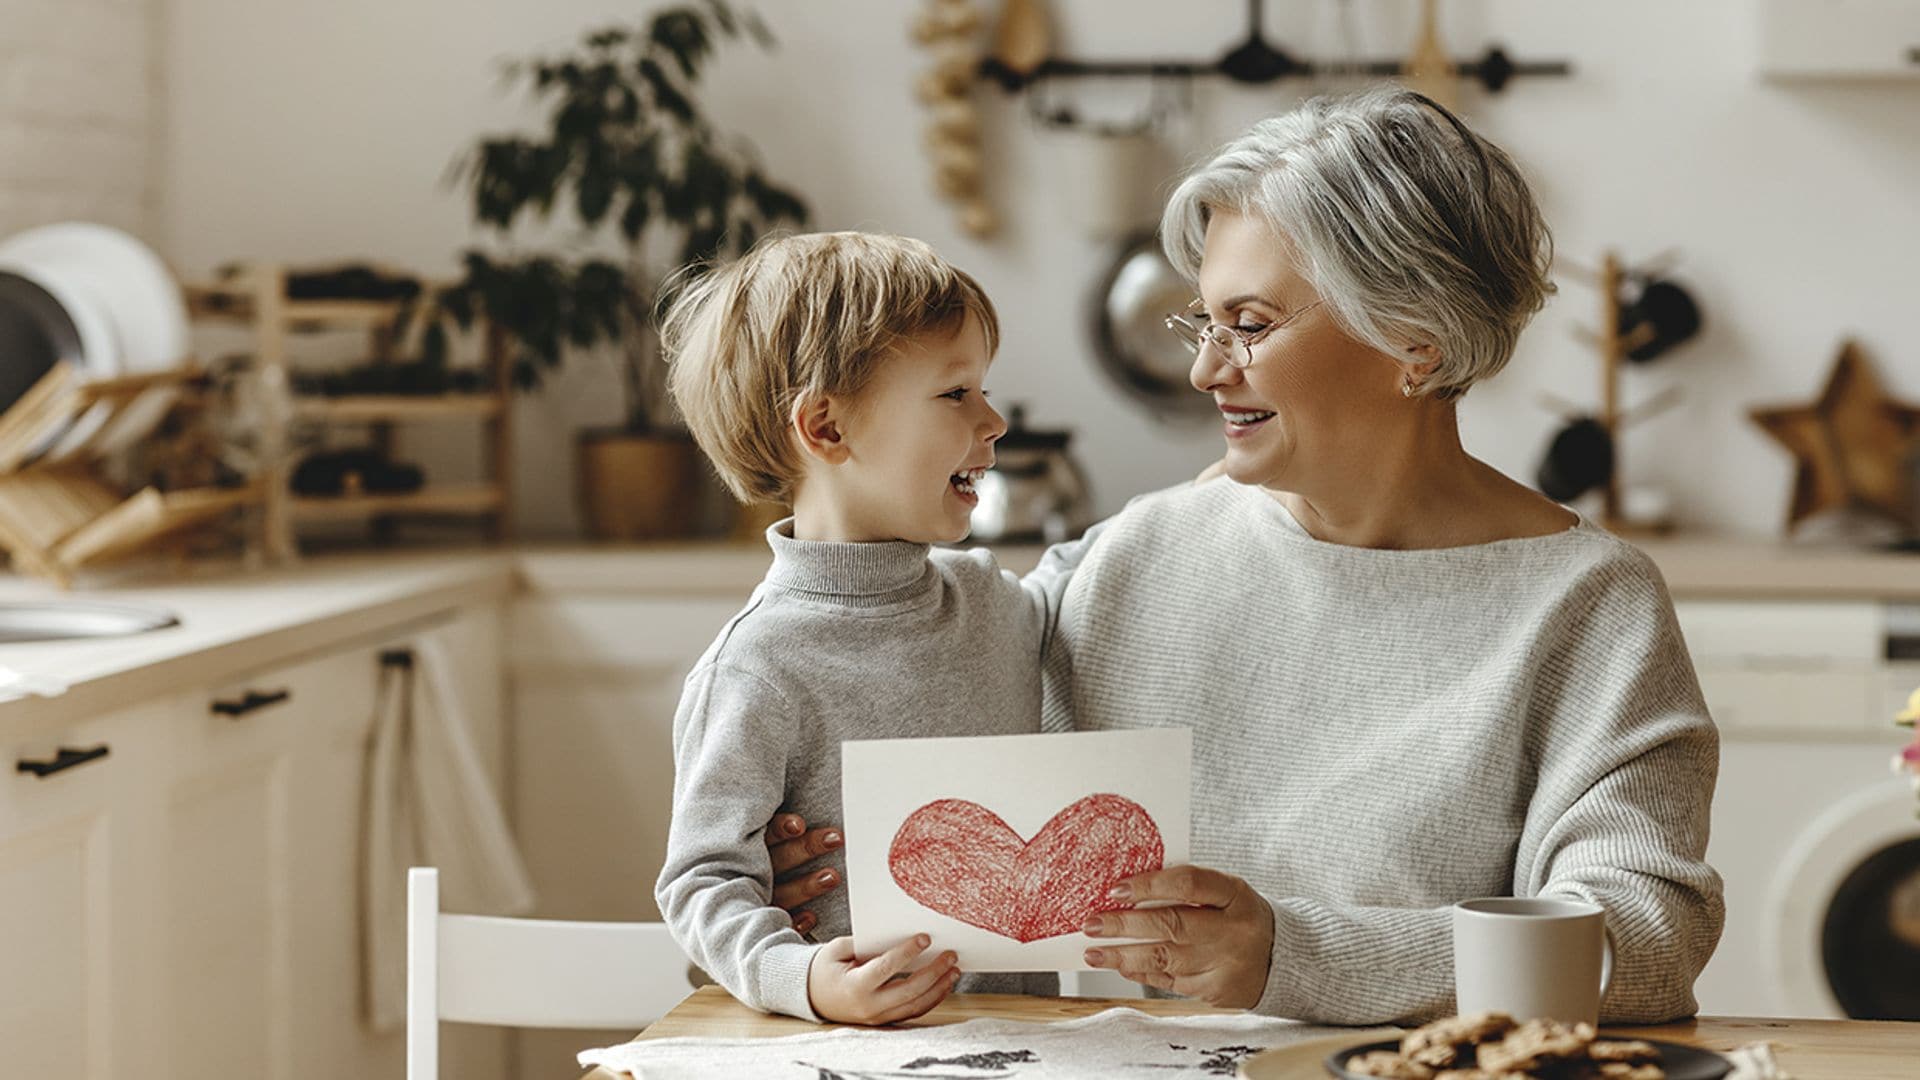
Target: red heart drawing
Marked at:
960, 859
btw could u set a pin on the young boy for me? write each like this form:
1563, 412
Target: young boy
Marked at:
840, 373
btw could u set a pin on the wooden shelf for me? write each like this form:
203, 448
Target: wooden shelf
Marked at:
473, 499
254, 297
237, 305
370, 407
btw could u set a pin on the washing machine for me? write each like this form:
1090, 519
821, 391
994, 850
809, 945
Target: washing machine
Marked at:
1817, 839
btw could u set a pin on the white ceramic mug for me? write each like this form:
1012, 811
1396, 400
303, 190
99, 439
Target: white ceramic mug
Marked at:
1531, 957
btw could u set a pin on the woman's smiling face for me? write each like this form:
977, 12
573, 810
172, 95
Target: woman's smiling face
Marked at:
1307, 410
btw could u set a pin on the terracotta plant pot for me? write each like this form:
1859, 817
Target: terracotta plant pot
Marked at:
640, 487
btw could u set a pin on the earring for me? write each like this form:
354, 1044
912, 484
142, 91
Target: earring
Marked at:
1408, 387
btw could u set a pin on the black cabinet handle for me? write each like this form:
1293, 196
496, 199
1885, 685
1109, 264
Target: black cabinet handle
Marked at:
66, 758
251, 700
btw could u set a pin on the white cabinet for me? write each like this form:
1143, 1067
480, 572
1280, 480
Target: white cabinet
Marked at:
73, 833
188, 905
1839, 38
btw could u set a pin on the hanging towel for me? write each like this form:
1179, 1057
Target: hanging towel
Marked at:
428, 803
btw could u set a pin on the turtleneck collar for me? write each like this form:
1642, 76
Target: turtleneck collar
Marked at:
861, 573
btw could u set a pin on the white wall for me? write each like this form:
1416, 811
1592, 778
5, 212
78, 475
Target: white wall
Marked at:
298, 130
78, 114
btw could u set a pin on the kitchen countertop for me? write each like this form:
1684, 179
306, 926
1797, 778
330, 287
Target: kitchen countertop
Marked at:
234, 621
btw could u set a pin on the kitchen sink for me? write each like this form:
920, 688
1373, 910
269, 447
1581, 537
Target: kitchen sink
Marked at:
56, 620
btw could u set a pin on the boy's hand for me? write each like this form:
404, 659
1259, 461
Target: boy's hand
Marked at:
842, 988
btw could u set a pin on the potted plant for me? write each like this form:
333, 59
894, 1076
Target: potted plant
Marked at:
629, 159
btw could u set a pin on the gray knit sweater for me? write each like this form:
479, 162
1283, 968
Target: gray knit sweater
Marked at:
1379, 734
841, 641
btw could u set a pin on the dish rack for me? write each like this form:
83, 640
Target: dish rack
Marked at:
255, 297
58, 510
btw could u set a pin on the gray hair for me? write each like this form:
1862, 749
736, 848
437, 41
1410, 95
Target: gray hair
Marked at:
1412, 228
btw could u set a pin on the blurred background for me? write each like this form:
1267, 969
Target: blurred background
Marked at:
279, 277
222, 130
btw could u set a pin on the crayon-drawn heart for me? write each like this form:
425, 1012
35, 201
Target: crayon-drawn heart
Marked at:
959, 858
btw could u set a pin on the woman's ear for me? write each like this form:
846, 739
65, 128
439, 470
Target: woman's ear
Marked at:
818, 424
1422, 359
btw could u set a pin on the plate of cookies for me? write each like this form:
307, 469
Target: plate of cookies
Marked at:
1492, 1046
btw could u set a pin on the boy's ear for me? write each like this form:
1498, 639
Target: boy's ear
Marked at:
817, 424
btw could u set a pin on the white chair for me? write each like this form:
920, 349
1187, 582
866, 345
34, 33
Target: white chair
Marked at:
538, 973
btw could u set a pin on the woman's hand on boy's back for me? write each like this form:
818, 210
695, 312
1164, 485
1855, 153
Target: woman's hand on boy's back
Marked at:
790, 847
847, 990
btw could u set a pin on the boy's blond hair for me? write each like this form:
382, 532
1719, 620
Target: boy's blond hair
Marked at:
800, 316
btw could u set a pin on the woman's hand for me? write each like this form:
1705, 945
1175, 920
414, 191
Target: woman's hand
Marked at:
844, 988
790, 846
1215, 944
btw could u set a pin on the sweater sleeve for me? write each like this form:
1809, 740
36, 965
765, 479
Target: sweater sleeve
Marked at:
1626, 758
716, 889
1047, 585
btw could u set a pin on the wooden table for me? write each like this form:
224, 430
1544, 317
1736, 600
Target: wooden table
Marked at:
1806, 1049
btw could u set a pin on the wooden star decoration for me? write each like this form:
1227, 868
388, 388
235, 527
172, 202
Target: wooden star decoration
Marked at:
1851, 446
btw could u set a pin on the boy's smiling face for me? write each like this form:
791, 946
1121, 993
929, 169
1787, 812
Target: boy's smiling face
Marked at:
915, 438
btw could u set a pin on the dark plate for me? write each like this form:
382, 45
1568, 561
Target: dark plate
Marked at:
1681, 1062
35, 332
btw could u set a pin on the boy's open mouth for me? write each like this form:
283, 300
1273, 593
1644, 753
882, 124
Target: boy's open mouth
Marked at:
964, 481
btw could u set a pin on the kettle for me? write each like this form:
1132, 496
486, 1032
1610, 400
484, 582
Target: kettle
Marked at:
1035, 491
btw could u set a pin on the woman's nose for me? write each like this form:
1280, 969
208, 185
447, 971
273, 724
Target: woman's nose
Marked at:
1210, 370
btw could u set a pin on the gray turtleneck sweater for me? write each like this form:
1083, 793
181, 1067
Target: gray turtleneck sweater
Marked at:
841, 641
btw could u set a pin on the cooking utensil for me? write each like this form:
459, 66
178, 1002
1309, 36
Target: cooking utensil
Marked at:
1022, 41
1035, 490
1428, 68
1131, 341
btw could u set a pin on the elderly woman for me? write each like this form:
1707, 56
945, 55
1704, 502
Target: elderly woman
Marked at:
1411, 681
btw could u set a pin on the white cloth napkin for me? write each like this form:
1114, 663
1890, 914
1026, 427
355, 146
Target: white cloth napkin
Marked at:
1754, 1061
1109, 1045
429, 803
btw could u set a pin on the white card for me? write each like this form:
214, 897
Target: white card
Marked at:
998, 847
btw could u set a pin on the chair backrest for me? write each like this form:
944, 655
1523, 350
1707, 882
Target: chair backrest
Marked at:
550, 973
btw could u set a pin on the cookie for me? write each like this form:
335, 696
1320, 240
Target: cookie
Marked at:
1388, 1065
1445, 1042
1534, 1043
1478, 1074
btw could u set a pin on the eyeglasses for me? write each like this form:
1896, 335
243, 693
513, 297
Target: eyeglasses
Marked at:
1234, 345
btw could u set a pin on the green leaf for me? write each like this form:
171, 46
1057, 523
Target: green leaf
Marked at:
633, 220
594, 195
665, 94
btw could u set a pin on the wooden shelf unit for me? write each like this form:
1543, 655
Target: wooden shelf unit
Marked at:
256, 298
